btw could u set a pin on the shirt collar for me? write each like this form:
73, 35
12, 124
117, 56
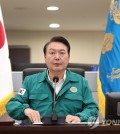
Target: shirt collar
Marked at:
68, 75
64, 77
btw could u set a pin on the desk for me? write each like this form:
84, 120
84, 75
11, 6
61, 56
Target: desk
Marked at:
60, 129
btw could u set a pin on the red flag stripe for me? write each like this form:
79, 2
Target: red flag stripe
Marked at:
2, 35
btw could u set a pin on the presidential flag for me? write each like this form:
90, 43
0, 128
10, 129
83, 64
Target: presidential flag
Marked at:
109, 65
6, 86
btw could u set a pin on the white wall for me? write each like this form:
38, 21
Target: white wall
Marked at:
85, 46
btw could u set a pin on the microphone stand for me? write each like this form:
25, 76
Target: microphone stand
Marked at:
54, 119
54, 115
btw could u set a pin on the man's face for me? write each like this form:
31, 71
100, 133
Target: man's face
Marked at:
57, 56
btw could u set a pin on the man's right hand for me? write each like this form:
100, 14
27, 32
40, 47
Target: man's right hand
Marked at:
33, 115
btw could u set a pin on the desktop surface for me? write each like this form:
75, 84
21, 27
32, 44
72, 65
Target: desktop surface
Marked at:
64, 129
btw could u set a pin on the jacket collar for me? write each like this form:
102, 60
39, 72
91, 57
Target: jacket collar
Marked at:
42, 76
70, 76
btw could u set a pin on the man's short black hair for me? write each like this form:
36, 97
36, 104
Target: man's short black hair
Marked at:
57, 39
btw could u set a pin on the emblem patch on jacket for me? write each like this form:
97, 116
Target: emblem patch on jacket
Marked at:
21, 91
73, 89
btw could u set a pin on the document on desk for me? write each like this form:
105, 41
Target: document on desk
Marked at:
37, 123
71, 123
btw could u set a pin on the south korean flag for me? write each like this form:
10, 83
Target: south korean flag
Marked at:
21, 91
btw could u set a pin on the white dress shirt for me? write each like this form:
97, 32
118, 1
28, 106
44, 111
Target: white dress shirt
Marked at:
58, 84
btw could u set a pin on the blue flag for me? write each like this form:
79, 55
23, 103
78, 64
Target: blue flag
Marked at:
109, 66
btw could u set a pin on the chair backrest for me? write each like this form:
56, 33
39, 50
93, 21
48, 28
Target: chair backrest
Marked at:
22, 66
30, 71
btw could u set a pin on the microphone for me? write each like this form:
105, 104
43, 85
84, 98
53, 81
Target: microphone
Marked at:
54, 115
55, 79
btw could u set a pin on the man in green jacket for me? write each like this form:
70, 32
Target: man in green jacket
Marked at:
73, 96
